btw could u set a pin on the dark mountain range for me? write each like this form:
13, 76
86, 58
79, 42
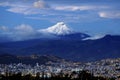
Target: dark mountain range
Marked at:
31, 59
77, 49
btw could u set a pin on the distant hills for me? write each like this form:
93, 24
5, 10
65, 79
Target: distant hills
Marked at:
30, 59
77, 49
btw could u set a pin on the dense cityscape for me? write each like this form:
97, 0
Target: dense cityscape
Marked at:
108, 69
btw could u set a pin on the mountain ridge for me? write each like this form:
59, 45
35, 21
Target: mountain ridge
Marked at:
76, 50
29, 59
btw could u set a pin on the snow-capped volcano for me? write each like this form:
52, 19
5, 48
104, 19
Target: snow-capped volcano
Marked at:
62, 31
59, 29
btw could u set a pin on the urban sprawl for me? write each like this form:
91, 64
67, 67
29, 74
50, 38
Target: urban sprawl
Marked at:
108, 68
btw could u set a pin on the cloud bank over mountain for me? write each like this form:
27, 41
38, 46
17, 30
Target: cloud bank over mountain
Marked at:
20, 32
25, 32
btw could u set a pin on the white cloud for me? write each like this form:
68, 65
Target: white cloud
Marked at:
24, 30
24, 27
110, 14
12, 4
21, 32
94, 37
23, 9
40, 4
84, 7
3, 28
26, 9
19, 10
5, 4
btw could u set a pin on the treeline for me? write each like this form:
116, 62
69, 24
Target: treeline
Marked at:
82, 75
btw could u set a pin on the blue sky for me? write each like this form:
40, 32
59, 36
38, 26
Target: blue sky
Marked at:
88, 16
